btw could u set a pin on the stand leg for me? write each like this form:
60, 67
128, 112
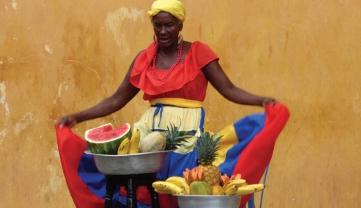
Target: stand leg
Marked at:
153, 196
110, 186
131, 196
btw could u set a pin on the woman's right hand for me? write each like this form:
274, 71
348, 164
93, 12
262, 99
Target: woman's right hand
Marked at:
67, 121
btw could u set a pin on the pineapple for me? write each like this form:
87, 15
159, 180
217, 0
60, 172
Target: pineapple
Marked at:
207, 148
174, 137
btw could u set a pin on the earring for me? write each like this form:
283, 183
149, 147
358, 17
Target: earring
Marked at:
155, 39
180, 39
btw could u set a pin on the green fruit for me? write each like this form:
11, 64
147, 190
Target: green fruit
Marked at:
200, 188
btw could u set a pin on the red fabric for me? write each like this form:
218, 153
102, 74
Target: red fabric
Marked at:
68, 142
255, 158
185, 80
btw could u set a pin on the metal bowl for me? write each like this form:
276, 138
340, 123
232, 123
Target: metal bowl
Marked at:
208, 201
149, 162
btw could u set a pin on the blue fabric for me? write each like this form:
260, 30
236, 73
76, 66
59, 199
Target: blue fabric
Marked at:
246, 129
90, 175
251, 202
158, 110
176, 163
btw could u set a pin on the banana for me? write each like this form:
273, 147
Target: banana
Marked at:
160, 191
248, 189
237, 182
230, 190
134, 142
124, 147
167, 187
180, 182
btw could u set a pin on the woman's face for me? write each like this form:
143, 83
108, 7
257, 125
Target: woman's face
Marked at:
166, 28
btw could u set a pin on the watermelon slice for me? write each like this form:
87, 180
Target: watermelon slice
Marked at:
105, 139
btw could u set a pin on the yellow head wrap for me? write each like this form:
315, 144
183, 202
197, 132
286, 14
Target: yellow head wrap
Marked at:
174, 7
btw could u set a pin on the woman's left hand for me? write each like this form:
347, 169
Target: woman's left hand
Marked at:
268, 100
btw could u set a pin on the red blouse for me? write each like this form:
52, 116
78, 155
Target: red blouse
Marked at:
185, 80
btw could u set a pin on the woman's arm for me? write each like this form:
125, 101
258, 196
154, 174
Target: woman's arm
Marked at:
219, 80
125, 92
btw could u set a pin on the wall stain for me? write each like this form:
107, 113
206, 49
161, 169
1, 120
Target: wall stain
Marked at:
3, 98
14, 4
356, 104
3, 134
114, 23
24, 122
286, 41
54, 185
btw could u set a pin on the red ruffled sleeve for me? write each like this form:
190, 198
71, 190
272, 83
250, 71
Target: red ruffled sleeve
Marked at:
203, 54
155, 82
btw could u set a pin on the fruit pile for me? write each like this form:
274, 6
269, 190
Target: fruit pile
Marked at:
193, 183
206, 178
106, 139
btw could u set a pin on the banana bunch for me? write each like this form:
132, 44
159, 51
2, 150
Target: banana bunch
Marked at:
173, 185
180, 182
130, 145
235, 185
232, 187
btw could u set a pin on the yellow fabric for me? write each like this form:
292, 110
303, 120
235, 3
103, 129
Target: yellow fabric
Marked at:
186, 119
177, 102
229, 138
174, 7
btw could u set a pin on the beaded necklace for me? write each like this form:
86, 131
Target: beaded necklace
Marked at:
178, 59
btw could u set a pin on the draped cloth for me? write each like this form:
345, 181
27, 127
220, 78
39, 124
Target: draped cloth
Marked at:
247, 147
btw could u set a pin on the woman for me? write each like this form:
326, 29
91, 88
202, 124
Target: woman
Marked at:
171, 60
173, 74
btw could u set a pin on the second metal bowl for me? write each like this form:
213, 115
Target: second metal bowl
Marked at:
208, 201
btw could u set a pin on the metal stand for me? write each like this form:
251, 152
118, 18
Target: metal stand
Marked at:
131, 182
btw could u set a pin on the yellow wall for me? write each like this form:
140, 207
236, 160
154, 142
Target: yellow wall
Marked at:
57, 57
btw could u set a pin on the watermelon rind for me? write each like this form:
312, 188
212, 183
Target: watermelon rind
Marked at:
109, 147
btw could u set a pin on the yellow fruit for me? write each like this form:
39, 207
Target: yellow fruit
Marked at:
249, 189
123, 148
167, 187
217, 190
134, 142
230, 190
238, 182
180, 182
211, 174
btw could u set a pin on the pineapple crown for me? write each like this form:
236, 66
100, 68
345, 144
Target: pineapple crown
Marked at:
207, 148
174, 137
